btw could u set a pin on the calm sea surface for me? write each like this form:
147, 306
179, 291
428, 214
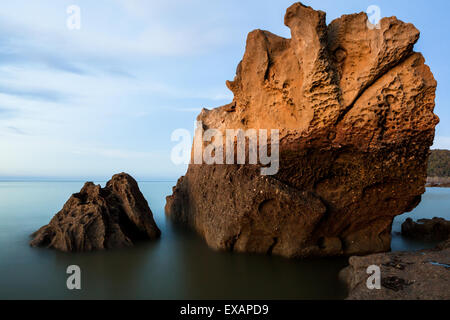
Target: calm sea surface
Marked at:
178, 266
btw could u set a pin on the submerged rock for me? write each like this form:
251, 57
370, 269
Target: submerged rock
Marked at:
436, 229
354, 107
100, 218
421, 275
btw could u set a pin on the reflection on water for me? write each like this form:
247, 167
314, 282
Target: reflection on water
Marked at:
178, 266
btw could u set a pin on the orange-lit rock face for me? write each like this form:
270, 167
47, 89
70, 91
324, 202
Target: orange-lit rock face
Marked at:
354, 107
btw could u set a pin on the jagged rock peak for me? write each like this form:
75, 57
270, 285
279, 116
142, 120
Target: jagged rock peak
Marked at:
97, 218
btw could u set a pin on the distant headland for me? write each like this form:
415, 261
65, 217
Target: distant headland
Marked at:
439, 169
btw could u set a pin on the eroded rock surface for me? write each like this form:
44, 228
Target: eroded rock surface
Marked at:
99, 218
354, 108
421, 275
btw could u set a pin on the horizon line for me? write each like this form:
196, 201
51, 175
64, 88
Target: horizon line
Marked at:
42, 179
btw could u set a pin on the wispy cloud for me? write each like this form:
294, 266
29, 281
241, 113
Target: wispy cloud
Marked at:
15, 130
33, 93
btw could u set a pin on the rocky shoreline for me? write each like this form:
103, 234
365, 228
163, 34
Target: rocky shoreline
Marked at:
446, 185
421, 275
438, 182
418, 275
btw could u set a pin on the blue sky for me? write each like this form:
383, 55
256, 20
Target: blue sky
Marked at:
88, 103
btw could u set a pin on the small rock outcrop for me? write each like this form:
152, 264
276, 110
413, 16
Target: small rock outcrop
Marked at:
99, 218
421, 275
353, 104
436, 229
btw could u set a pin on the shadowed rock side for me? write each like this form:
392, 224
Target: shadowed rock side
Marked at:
100, 218
354, 107
421, 275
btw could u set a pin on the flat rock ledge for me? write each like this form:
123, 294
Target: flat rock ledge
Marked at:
420, 275
100, 218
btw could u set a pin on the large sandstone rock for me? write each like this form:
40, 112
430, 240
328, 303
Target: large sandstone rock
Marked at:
354, 109
100, 218
421, 275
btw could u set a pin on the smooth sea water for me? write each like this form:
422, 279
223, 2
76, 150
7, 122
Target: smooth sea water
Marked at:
178, 266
